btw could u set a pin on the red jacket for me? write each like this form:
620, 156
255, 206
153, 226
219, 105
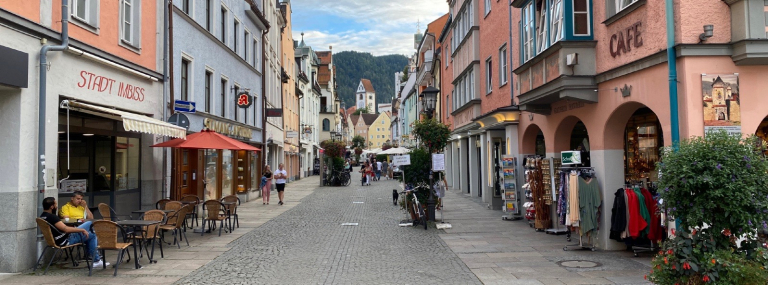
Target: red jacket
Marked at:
655, 231
636, 221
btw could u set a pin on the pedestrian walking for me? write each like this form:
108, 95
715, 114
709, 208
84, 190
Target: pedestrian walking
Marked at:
385, 169
378, 170
280, 176
266, 185
364, 174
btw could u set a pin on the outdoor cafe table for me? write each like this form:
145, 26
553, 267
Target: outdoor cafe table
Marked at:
138, 225
141, 212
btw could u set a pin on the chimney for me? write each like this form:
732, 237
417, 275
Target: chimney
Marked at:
330, 47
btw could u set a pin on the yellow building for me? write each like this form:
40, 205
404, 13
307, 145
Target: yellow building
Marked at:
378, 131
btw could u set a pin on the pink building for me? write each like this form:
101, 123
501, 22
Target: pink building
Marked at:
594, 75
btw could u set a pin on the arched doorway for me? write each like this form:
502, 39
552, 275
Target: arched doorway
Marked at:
533, 142
572, 135
762, 135
643, 139
541, 147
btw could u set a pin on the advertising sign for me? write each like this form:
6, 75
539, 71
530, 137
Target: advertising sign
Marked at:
400, 160
722, 106
570, 157
438, 162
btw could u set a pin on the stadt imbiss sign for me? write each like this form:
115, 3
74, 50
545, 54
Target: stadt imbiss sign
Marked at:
623, 40
104, 84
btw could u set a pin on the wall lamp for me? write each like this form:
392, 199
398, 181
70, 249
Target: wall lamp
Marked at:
708, 31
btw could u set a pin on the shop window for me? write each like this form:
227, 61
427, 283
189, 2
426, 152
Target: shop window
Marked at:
227, 173
211, 174
643, 140
127, 161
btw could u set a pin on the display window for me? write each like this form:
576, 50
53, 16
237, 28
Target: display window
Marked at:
643, 142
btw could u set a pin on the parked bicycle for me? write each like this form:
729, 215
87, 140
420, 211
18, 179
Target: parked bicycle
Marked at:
418, 208
338, 178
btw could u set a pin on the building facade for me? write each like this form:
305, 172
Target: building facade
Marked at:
216, 56
329, 101
91, 112
365, 96
273, 74
378, 131
306, 62
291, 108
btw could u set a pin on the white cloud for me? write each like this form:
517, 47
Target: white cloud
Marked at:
381, 27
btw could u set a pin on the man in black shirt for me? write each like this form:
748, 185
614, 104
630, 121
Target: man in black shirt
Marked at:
64, 235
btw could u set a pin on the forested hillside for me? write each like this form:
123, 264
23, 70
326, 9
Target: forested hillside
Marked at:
351, 66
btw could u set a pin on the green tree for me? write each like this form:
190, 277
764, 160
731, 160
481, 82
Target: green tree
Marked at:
362, 111
351, 66
358, 142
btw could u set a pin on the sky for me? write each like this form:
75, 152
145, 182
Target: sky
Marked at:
375, 26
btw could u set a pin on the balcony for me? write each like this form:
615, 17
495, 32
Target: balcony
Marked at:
425, 70
328, 109
564, 71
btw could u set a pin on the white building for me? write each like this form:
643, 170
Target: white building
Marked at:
385, 107
307, 62
365, 96
273, 79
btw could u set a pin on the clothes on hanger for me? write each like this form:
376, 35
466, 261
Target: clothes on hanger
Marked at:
636, 222
589, 205
618, 215
654, 229
562, 198
643, 206
573, 215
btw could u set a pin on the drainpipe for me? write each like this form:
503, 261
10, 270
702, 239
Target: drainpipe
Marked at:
509, 58
672, 63
166, 36
42, 104
264, 150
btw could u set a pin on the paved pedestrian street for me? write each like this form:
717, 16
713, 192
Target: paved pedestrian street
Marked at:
305, 242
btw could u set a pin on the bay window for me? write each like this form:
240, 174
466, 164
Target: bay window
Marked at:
543, 24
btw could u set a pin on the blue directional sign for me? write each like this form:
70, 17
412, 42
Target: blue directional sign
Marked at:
184, 106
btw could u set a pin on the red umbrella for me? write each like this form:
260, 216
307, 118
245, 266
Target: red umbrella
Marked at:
207, 139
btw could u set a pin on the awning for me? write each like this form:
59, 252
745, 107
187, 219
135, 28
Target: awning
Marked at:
131, 121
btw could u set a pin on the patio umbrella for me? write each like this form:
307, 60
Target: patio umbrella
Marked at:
396, 150
207, 139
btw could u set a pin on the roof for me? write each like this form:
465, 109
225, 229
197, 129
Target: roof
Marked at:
351, 110
354, 118
325, 56
369, 118
367, 85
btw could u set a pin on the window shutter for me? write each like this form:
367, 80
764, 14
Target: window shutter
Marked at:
93, 13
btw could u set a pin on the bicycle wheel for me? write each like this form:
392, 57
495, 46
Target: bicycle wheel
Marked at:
423, 216
347, 179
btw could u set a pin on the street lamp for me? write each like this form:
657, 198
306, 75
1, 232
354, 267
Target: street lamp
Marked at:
334, 134
428, 101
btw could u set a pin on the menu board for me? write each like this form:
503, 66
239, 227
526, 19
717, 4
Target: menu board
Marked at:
70, 186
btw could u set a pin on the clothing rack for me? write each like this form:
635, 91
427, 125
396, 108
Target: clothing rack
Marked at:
652, 247
596, 233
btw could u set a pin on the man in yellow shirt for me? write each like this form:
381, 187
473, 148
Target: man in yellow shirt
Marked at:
76, 208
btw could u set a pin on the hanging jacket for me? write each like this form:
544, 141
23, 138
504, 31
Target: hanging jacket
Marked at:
654, 233
618, 215
643, 211
636, 221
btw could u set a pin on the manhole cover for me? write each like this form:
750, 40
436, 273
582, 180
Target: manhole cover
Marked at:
579, 264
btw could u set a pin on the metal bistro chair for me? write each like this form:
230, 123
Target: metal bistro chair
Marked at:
47, 231
151, 233
194, 201
235, 202
106, 236
161, 204
214, 211
174, 223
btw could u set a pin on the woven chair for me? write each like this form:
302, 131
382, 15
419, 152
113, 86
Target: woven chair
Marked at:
47, 230
232, 208
174, 224
106, 237
161, 203
151, 233
194, 201
214, 211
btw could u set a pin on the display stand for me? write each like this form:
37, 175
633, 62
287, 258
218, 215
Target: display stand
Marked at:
581, 245
509, 193
554, 181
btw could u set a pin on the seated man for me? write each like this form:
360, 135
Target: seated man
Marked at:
76, 208
64, 235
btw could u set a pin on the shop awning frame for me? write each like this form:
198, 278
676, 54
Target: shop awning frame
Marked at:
131, 121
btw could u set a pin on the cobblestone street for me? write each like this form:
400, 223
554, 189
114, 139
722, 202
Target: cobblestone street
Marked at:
304, 242
308, 245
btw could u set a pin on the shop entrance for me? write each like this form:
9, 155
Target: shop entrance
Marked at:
643, 139
762, 135
541, 147
580, 142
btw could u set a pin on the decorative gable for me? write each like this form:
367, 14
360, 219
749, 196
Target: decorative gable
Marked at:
360, 88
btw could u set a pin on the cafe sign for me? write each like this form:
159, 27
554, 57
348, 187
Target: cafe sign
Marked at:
623, 40
228, 129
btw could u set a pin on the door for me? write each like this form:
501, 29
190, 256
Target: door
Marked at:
480, 172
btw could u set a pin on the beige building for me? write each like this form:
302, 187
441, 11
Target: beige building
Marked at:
290, 98
378, 131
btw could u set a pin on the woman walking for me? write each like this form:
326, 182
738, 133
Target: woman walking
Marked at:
266, 185
369, 173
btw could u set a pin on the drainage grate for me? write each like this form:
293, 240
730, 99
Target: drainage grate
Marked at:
349, 224
579, 264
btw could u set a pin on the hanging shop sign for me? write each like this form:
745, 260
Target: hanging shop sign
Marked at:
291, 134
274, 112
570, 157
244, 100
623, 40
228, 129
722, 107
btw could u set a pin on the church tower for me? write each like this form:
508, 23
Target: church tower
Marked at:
365, 96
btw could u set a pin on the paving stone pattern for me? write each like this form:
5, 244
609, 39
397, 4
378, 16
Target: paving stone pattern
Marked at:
308, 245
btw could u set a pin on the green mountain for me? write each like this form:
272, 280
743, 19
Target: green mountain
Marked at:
351, 66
